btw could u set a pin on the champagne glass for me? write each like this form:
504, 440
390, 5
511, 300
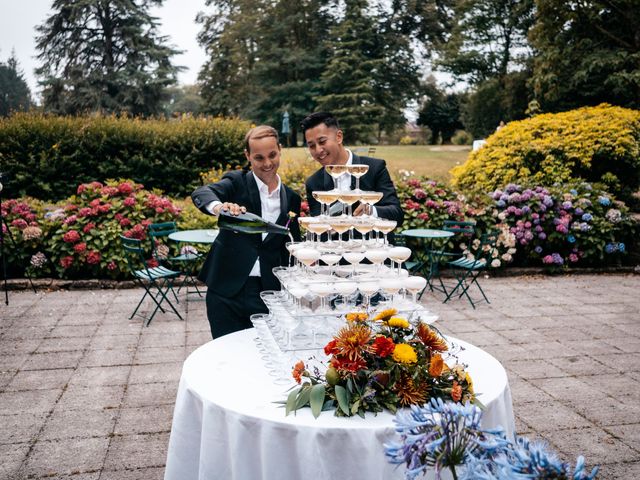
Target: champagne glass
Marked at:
414, 285
348, 199
399, 255
368, 288
330, 259
346, 289
340, 226
370, 198
377, 257
325, 199
358, 170
391, 286
304, 223
318, 228
307, 256
363, 226
385, 226
353, 258
336, 171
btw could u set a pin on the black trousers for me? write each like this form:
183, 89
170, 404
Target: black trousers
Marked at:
231, 314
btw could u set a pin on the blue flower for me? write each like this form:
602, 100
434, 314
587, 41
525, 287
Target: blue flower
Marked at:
573, 191
604, 201
538, 249
587, 217
500, 203
621, 247
610, 247
571, 239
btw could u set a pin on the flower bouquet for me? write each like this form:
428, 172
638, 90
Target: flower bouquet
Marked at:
380, 363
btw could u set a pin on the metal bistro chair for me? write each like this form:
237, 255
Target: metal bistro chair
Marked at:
466, 229
186, 261
467, 271
150, 278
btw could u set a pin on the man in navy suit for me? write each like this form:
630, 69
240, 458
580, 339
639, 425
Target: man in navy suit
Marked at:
239, 265
324, 140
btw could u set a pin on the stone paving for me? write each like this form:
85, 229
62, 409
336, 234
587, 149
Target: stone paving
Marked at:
86, 394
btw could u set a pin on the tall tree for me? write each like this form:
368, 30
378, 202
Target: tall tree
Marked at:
440, 112
348, 80
488, 41
104, 55
588, 52
230, 35
14, 91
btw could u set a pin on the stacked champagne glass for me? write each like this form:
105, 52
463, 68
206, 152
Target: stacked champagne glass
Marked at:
345, 264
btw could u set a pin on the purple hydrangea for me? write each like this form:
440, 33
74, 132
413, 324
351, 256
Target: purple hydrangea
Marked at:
538, 249
587, 217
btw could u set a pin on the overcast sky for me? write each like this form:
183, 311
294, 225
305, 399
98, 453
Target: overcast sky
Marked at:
18, 19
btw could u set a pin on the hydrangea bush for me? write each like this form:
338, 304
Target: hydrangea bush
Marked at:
571, 224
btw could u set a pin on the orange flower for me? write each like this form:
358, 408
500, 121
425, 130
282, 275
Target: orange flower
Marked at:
436, 366
357, 317
431, 338
330, 348
385, 315
456, 392
298, 369
352, 342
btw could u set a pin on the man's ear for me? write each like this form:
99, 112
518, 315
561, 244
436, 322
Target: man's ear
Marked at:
246, 154
339, 136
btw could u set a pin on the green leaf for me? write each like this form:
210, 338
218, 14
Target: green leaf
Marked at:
303, 398
316, 399
341, 395
291, 401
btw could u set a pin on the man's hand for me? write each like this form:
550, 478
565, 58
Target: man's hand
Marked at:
361, 210
232, 208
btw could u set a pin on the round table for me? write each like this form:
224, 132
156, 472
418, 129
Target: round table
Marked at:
227, 426
194, 236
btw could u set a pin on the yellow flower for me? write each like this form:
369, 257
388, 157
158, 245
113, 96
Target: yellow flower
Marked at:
386, 314
357, 317
404, 353
398, 322
292, 214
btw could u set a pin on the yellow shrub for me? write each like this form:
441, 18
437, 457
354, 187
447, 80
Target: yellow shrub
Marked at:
597, 144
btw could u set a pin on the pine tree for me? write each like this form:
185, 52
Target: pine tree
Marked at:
14, 91
348, 80
104, 56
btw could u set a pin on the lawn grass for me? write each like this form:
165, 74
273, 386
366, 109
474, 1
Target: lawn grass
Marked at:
432, 161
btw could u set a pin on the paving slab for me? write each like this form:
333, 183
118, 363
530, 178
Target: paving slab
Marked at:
87, 394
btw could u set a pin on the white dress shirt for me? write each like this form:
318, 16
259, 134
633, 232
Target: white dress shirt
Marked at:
270, 205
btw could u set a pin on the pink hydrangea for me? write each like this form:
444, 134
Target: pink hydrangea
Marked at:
129, 201
93, 257
66, 262
80, 247
72, 236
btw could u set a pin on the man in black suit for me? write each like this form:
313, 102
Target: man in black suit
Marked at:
239, 265
324, 140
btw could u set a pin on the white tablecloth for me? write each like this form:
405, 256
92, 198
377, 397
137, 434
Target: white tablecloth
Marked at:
226, 426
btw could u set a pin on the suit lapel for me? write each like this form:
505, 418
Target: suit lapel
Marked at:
254, 194
328, 180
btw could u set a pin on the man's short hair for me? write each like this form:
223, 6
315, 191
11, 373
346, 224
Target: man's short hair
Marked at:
317, 118
261, 131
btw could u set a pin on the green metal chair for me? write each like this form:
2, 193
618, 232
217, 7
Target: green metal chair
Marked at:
468, 270
156, 281
185, 262
436, 256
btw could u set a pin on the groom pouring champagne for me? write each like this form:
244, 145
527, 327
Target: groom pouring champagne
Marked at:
239, 265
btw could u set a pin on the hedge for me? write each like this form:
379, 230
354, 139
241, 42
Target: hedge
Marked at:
48, 156
596, 144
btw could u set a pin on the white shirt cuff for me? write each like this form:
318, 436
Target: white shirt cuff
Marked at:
211, 205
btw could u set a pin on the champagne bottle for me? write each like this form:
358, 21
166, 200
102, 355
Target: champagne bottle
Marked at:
248, 223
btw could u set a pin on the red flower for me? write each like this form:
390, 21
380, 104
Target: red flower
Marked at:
109, 191
152, 263
129, 201
19, 223
71, 219
125, 188
414, 183
125, 222
72, 236
66, 262
383, 346
80, 247
88, 227
411, 205
298, 369
84, 212
423, 216
111, 265
93, 257
330, 348
344, 366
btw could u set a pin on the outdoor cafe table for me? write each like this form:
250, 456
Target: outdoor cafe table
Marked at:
194, 236
226, 425
427, 236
